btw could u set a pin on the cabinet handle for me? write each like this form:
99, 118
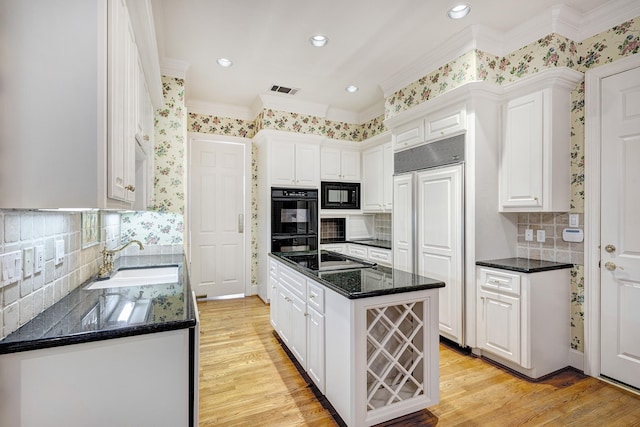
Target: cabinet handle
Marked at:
273, 287
130, 188
312, 296
306, 314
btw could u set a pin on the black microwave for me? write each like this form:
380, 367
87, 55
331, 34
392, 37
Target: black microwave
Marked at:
340, 195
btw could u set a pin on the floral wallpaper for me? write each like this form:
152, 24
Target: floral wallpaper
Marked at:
170, 140
221, 125
152, 228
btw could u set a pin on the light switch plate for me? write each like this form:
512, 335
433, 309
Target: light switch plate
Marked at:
574, 220
28, 262
11, 265
528, 235
59, 252
540, 236
39, 261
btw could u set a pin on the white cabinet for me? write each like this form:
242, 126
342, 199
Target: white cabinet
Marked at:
444, 123
337, 164
88, 114
273, 286
377, 182
522, 319
437, 125
341, 248
297, 313
535, 148
294, 164
370, 253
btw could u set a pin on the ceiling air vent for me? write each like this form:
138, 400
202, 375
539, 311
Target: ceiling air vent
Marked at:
285, 90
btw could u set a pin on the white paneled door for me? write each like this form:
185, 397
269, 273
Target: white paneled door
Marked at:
620, 228
439, 236
217, 212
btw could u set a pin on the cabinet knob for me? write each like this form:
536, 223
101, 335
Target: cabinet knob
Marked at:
130, 188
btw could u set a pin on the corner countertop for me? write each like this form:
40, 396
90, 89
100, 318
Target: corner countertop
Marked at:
365, 282
524, 265
83, 315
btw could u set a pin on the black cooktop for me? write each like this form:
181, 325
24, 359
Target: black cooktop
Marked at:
326, 260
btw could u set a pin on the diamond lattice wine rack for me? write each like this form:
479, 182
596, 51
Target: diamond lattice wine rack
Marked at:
394, 357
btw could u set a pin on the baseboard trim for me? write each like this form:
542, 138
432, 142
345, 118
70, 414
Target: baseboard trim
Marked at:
576, 359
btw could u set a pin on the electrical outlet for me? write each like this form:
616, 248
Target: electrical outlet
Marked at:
528, 235
59, 252
28, 262
540, 236
39, 261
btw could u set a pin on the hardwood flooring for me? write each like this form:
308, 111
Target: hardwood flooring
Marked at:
246, 379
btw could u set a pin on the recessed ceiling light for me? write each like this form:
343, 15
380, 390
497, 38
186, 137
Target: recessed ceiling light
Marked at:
318, 40
352, 88
224, 62
459, 11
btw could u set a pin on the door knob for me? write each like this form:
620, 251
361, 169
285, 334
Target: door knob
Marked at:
610, 248
611, 266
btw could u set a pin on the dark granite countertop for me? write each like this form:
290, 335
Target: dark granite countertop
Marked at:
86, 315
523, 265
366, 282
384, 244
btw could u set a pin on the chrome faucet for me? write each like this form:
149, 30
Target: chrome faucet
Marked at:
107, 259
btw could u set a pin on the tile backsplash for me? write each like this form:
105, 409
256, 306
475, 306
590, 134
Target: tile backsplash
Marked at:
553, 248
383, 226
28, 297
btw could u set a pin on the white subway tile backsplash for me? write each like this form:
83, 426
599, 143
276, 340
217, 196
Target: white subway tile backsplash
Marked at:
11, 228
26, 309
26, 227
11, 318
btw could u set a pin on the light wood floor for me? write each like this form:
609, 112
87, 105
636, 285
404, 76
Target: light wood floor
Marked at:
246, 379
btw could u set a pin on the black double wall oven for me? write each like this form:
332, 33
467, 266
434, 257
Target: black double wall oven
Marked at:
294, 220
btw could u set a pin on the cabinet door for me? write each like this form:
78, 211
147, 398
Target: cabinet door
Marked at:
283, 163
273, 292
408, 135
521, 161
387, 179
373, 177
443, 124
315, 354
298, 343
307, 159
499, 325
330, 164
283, 314
403, 223
350, 165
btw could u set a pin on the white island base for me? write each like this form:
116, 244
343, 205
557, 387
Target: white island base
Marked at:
375, 358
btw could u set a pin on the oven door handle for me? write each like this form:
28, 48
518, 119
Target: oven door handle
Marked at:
240, 223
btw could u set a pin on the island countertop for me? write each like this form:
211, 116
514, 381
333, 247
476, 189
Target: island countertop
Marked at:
364, 282
82, 315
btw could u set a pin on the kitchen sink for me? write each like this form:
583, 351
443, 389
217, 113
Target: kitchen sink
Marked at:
138, 277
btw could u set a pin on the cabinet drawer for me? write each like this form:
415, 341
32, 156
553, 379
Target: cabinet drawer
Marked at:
500, 282
273, 268
380, 256
334, 247
315, 296
294, 281
358, 251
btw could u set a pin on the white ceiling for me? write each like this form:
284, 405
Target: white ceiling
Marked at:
370, 42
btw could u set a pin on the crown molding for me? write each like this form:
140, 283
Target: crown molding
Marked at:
291, 105
220, 110
376, 110
607, 16
174, 68
338, 115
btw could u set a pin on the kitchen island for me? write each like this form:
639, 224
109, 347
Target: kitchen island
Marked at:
367, 336
106, 356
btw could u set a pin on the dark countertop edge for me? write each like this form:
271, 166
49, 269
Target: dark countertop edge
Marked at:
42, 343
358, 295
363, 243
78, 338
503, 266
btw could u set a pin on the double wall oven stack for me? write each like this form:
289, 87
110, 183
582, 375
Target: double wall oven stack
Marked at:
294, 220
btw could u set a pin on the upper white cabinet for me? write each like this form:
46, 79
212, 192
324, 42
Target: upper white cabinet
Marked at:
68, 132
534, 155
440, 124
377, 182
294, 164
338, 164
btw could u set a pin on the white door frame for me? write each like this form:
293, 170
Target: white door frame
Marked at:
592, 146
248, 289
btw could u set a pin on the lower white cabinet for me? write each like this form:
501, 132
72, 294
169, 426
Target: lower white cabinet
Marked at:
298, 317
523, 319
371, 253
